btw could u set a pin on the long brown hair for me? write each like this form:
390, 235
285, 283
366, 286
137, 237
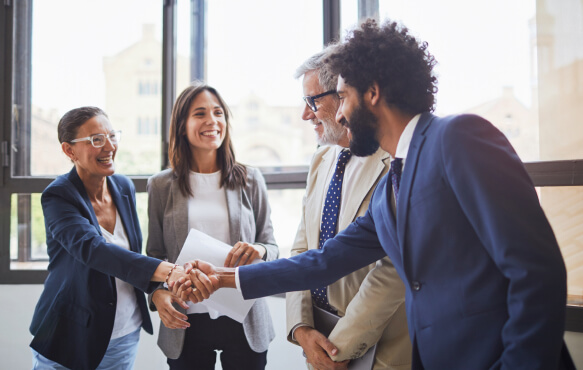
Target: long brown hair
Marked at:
233, 174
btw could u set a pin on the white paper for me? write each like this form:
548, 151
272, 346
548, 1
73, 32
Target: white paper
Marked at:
229, 302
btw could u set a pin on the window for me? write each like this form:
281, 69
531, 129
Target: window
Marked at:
523, 74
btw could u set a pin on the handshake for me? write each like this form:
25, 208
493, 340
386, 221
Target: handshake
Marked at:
201, 279
198, 279
194, 282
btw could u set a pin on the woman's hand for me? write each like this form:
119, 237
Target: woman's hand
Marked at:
171, 318
198, 271
243, 254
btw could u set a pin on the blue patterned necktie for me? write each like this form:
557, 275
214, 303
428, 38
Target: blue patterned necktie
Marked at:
330, 220
395, 175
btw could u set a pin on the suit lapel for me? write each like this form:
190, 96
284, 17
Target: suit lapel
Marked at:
122, 204
234, 204
76, 181
179, 214
372, 169
409, 173
316, 201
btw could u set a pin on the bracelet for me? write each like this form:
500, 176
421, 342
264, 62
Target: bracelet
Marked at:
170, 273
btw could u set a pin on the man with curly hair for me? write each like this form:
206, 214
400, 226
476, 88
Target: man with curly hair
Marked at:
457, 214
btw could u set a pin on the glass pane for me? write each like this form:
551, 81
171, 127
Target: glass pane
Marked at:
482, 68
348, 16
251, 61
564, 208
28, 249
111, 59
559, 67
286, 212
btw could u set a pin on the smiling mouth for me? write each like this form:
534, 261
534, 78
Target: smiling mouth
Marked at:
211, 133
105, 160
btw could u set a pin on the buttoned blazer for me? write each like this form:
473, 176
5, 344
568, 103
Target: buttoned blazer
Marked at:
74, 316
370, 312
485, 279
249, 221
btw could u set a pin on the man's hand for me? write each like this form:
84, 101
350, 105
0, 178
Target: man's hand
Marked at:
192, 284
200, 283
318, 349
243, 254
171, 318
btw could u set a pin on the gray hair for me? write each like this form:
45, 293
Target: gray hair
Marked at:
327, 79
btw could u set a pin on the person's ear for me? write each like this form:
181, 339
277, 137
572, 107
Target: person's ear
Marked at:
375, 93
68, 150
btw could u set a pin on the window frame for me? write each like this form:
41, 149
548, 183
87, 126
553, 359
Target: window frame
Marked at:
543, 173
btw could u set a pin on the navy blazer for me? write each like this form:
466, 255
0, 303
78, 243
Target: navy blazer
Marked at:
486, 282
74, 316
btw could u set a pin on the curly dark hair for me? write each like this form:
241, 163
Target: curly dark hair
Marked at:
390, 56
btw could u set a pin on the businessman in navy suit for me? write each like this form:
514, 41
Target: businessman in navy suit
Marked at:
457, 214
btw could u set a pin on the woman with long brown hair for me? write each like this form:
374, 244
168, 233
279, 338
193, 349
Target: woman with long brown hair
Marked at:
205, 188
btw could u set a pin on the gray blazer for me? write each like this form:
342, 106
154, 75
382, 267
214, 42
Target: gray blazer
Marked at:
249, 221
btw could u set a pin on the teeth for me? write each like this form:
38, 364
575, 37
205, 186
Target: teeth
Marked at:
104, 160
210, 133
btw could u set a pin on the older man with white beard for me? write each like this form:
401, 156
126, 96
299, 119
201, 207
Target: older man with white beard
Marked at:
361, 325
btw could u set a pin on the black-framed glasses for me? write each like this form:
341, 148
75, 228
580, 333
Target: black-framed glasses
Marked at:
311, 100
98, 140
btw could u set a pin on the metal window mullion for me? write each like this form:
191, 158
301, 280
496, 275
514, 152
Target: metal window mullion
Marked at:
197, 37
168, 72
331, 20
368, 9
21, 124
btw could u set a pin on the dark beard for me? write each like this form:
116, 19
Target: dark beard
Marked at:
363, 127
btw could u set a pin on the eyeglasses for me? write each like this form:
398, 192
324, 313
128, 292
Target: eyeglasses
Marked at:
98, 140
311, 100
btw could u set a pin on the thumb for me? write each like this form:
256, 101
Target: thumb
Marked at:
215, 282
328, 346
188, 266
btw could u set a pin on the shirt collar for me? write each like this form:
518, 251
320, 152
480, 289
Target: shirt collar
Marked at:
406, 137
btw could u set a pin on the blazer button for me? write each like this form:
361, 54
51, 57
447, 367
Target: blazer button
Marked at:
111, 303
416, 286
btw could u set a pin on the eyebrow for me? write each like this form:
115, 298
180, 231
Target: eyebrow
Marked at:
204, 108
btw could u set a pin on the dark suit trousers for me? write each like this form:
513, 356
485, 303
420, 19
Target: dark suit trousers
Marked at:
205, 336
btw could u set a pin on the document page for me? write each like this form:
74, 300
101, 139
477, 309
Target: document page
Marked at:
229, 302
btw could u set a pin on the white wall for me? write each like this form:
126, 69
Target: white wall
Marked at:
17, 306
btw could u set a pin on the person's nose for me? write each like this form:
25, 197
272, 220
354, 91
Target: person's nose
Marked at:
339, 115
214, 119
307, 113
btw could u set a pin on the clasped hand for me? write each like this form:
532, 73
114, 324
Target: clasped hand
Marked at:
203, 278
200, 282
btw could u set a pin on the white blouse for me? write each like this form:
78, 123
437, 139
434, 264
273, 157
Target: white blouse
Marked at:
127, 313
208, 212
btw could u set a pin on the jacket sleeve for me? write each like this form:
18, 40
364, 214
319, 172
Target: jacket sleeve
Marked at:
351, 249
67, 222
380, 299
299, 303
262, 213
155, 245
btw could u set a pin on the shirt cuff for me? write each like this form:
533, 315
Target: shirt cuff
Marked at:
293, 331
237, 283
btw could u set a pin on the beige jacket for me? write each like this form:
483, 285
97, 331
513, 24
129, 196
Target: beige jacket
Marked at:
361, 297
